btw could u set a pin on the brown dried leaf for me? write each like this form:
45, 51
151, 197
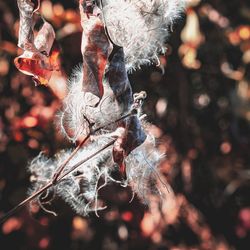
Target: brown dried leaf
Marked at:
40, 55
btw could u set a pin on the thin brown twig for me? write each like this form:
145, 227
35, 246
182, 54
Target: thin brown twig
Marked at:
51, 183
92, 132
59, 175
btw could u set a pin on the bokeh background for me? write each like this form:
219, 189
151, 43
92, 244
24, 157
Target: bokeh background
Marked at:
199, 106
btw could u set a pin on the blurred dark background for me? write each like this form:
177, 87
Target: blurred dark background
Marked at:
199, 106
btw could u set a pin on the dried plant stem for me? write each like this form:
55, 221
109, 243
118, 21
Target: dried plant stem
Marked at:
74, 167
61, 168
52, 183
92, 132
59, 175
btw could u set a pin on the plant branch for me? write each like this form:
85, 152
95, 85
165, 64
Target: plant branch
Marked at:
52, 183
58, 176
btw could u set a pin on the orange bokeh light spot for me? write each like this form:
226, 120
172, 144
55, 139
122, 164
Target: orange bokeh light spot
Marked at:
12, 224
225, 147
30, 122
244, 33
127, 216
33, 143
18, 136
44, 243
79, 223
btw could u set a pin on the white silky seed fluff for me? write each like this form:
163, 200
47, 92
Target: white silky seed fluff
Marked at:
141, 27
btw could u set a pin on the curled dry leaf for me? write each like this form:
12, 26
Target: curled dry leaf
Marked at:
40, 55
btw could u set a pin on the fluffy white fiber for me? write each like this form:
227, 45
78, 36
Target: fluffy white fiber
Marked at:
141, 169
80, 188
140, 27
77, 114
